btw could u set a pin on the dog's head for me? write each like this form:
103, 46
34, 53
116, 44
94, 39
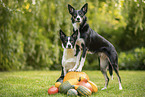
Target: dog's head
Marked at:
68, 42
78, 15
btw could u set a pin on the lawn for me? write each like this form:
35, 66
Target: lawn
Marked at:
36, 83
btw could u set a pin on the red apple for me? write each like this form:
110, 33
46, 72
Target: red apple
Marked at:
52, 90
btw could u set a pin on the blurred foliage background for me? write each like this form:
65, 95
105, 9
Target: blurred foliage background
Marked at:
29, 38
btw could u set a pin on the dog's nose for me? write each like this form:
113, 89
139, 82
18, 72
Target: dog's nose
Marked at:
78, 19
69, 46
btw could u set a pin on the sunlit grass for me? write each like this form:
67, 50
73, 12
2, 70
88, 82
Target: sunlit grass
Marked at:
36, 83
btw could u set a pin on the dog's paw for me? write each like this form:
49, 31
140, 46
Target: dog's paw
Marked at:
71, 70
120, 88
112, 77
104, 88
78, 70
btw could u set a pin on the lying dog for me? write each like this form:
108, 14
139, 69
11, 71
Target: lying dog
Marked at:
69, 59
91, 41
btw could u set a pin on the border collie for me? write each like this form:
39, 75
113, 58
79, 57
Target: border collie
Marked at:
91, 41
68, 59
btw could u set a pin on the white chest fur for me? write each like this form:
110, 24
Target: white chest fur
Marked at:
76, 26
68, 53
68, 60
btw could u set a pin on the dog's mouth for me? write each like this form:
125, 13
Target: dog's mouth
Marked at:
78, 21
69, 48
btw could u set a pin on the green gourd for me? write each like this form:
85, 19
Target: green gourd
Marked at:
83, 91
72, 93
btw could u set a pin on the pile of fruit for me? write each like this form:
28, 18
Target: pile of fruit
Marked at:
74, 84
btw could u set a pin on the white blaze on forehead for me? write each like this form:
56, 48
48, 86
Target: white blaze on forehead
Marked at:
68, 43
78, 16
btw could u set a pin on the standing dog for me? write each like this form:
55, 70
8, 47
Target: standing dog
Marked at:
68, 59
91, 41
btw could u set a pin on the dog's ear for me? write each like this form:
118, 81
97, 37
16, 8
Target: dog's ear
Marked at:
85, 8
71, 9
62, 35
75, 34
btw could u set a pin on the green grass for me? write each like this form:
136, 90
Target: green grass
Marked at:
36, 83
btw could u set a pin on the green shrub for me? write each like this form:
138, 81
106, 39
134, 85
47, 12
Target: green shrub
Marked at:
29, 37
132, 60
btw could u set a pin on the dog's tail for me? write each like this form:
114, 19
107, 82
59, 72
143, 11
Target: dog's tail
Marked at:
110, 70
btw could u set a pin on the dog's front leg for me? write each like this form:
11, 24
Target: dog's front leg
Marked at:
63, 65
83, 58
60, 79
77, 55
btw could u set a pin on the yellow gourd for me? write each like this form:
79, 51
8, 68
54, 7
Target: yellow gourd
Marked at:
57, 84
94, 86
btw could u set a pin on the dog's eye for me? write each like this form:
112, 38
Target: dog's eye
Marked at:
75, 16
81, 13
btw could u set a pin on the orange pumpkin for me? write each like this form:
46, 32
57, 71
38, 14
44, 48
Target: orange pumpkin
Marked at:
75, 75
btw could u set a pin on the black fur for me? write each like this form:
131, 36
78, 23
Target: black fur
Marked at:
96, 43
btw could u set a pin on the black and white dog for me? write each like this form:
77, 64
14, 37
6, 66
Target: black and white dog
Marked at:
91, 41
68, 59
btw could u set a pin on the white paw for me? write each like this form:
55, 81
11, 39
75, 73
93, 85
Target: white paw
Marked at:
120, 88
104, 88
78, 70
112, 77
71, 70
